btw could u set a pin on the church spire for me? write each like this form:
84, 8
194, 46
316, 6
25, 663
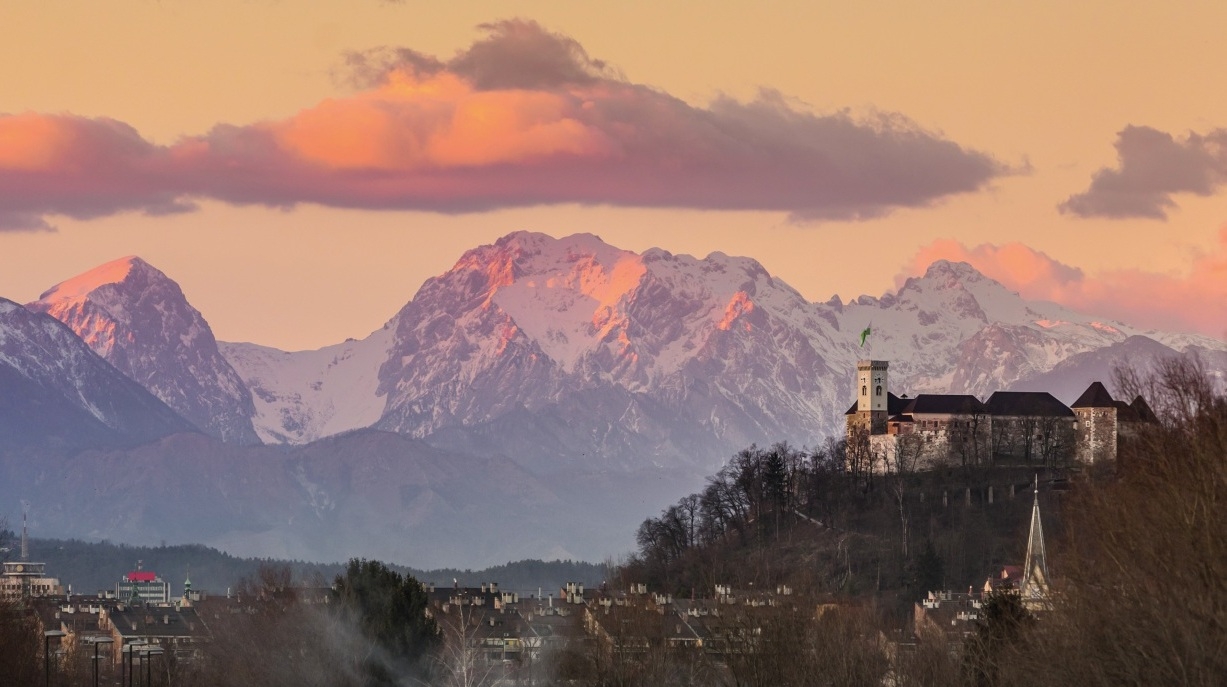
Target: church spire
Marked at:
1036, 555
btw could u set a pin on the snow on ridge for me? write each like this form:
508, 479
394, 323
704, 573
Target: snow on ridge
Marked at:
569, 295
568, 300
81, 285
302, 396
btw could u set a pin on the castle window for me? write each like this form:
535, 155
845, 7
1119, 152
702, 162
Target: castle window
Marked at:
864, 390
879, 390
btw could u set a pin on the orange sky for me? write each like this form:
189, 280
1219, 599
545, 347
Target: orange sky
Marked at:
1041, 89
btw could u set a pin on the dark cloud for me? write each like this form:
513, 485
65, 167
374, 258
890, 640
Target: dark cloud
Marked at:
370, 68
523, 117
517, 53
1152, 166
23, 221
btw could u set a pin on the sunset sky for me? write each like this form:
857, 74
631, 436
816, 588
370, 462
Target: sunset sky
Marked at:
300, 168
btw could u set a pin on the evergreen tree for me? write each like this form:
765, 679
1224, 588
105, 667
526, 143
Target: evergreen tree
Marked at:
1003, 619
390, 611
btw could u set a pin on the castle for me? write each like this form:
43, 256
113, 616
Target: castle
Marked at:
889, 433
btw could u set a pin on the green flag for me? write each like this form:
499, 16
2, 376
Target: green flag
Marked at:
867, 332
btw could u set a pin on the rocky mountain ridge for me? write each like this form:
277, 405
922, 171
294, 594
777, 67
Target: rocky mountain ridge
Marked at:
57, 394
138, 319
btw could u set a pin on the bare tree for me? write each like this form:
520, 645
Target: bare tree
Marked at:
461, 660
1140, 595
1054, 440
20, 648
901, 466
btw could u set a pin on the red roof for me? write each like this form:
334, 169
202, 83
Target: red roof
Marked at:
142, 576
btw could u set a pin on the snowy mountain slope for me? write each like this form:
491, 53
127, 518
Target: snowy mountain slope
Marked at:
956, 331
1070, 377
571, 351
673, 355
307, 395
562, 352
659, 349
56, 392
139, 320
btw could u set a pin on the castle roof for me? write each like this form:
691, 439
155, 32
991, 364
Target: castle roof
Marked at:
1032, 403
1143, 411
1126, 412
1095, 396
945, 404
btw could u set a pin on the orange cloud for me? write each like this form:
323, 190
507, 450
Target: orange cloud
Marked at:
1194, 302
522, 117
80, 167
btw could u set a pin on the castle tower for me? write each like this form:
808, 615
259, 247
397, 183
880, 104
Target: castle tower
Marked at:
1096, 435
871, 395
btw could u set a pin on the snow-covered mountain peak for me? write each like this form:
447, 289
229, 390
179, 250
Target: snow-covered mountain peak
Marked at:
138, 319
114, 272
567, 295
958, 271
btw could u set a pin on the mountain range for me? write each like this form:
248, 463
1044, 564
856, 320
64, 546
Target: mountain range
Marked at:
538, 399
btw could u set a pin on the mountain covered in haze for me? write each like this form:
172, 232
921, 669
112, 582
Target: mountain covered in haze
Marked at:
538, 399
139, 320
56, 393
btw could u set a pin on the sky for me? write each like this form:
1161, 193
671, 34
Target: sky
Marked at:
301, 168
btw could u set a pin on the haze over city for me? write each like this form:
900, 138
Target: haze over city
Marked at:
282, 160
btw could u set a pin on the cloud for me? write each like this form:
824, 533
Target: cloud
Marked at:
1153, 166
522, 117
78, 167
1194, 302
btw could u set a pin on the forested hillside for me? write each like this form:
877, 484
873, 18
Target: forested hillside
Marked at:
92, 566
782, 515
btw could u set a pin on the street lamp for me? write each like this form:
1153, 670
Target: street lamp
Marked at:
151, 651
96, 641
132, 646
47, 635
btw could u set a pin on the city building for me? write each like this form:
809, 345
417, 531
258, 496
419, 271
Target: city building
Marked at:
142, 586
26, 579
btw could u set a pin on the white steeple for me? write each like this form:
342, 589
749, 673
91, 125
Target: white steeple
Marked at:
1035, 569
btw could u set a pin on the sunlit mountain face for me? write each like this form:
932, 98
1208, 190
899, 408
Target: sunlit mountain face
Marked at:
571, 374
138, 319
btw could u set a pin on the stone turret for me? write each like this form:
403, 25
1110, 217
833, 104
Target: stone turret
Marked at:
1096, 434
